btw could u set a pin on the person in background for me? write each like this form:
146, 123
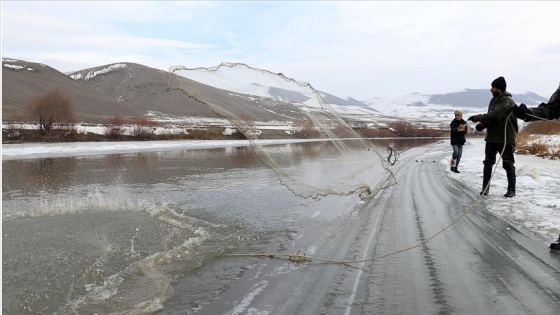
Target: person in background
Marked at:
502, 129
458, 129
550, 110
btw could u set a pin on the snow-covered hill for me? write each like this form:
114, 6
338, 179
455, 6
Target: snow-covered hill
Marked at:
421, 107
469, 101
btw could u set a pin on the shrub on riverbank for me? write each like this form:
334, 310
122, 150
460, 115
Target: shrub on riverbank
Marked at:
534, 140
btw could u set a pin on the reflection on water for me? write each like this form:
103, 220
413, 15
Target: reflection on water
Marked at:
49, 174
114, 233
145, 160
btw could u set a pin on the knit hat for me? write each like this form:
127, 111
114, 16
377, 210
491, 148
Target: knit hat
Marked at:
499, 83
458, 112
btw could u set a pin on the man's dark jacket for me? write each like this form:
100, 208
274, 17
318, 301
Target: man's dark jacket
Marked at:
498, 120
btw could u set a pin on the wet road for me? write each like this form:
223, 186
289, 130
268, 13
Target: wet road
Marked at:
478, 265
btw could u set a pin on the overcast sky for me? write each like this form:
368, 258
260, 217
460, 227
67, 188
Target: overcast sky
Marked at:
357, 49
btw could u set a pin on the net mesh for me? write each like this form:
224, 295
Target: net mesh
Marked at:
253, 100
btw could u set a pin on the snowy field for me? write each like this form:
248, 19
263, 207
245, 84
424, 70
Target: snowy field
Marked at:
536, 206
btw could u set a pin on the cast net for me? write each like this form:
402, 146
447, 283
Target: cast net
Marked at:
276, 114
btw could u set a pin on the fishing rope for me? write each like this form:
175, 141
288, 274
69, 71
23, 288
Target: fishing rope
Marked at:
301, 256
540, 118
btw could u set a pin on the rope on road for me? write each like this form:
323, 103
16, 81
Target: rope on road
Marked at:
301, 256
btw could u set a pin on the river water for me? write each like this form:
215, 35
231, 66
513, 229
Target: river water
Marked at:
121, 233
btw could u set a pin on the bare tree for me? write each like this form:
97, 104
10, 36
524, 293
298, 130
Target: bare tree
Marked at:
143, 127
50, 108
114, 128
304, 129
404, 128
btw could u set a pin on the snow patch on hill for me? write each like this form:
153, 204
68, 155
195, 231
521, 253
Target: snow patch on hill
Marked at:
88, 75
18, 65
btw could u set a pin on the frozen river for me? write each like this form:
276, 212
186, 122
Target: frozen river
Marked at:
158, 233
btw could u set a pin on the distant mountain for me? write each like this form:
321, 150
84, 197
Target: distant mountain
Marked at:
477, 98
131, 90
169, 95
424, 106
140, 87
22, 81
244, 79
331, 99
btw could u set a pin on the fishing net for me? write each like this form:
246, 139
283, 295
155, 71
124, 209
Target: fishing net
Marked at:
274, 112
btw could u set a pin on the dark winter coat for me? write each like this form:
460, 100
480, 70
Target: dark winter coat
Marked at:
555, 97
497, 118
458, 136
550, 110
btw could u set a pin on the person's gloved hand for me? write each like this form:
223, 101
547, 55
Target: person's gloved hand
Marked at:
475, 118
479, 127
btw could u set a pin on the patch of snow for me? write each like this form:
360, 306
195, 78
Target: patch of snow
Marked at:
88, 75
17, 67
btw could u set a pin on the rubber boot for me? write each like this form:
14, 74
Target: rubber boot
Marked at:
453, 165
511, 183
487, 173
555, 245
